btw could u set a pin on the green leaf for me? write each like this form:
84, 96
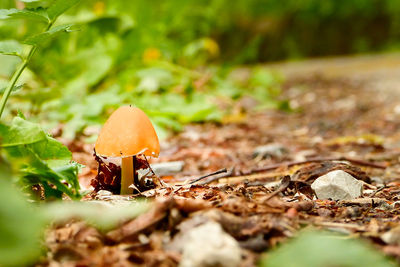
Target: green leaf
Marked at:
52, 149
23, 14
21, 132
37, 171
42, 37
60, 6
319, 249
19, 240
10, 47
44, 160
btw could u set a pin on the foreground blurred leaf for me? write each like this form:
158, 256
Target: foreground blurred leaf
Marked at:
44, 36
10, 47
23, 14
60, 6
319, 249
100, 214
21, 225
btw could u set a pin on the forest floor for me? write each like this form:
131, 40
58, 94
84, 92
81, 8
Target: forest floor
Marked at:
347, 117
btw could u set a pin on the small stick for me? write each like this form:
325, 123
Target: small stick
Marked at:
200, 178
218, 177
282, 187
148, 165
319, 159
224, 170
378, 190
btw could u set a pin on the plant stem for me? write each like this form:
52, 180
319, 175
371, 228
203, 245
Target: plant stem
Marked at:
18, 73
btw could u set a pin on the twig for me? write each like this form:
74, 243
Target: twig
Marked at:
378, 190
217, 177
200, 178
257, 176
282, 187
319, 159
224, 170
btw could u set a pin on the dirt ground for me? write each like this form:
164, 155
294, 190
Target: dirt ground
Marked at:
347, 117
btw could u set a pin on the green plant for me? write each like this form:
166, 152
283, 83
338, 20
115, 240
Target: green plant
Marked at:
40, 158
11, 47
146, 53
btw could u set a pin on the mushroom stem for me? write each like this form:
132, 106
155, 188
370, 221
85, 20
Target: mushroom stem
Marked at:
127, 172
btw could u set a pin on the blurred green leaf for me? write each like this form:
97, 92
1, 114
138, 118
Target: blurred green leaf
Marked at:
23, 14
10, 47
60, 6
44, 36
21, 225
320, 249
100, 214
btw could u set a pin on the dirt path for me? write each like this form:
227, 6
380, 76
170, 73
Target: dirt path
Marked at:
350, 97
347, 108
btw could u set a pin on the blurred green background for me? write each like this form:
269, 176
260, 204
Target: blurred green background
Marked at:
175, 58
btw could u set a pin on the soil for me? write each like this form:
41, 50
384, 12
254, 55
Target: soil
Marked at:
347, 116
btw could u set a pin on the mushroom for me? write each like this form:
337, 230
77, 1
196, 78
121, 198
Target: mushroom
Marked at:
127, 133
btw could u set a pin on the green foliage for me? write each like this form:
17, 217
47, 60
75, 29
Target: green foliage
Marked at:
128, 53
319, 249
42, 159
11, 48
23, 14
44, 36
60, 6
21, 224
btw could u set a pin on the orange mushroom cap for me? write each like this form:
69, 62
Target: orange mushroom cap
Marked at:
127, 132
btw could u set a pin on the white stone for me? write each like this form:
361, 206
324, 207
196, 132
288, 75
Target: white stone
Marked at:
208, 245
337, 185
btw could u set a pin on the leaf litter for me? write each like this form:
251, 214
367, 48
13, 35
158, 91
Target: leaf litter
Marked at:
261, 201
